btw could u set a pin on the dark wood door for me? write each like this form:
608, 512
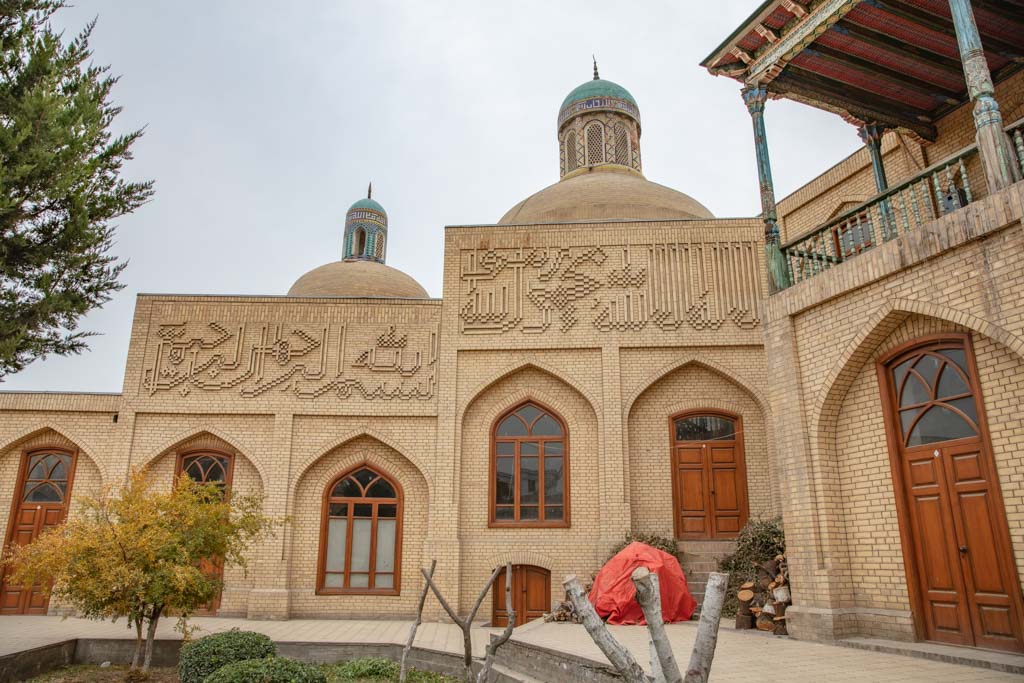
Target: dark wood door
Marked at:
531, 594
41, 502
709, 475
953, 523
209, 468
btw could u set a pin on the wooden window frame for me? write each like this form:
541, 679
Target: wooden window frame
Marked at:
321, 564
894, 442
179, 461
492, 521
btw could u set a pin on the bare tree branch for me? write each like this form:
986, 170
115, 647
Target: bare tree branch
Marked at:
707, 632
403, 671
620, 657
510, 612
648, 594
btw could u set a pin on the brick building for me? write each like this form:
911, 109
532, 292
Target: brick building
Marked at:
610, 358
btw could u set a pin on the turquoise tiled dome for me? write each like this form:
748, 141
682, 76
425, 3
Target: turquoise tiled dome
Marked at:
597, 88
369, 204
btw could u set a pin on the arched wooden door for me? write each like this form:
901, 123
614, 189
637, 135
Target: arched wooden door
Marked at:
208, 467
41, 501
709, 475
956, 542
531, 594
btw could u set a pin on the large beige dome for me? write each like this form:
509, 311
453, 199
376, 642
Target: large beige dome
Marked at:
604, 193
358, 278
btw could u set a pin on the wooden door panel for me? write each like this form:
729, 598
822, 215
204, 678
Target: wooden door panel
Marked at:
709, 485
531, 595
723, 455
693, 455
727, 494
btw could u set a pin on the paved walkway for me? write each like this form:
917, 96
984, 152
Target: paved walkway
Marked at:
739, 657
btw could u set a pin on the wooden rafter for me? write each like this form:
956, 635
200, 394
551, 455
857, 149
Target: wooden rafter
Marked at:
913, 52
874, 70
943, 25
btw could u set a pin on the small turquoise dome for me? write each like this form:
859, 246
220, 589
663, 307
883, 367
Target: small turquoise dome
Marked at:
370, 204
598, 88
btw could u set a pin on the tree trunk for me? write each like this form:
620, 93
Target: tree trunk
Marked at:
403, 671
510, 624
707, 632
138, 645
648, 594
621, 658
154, 619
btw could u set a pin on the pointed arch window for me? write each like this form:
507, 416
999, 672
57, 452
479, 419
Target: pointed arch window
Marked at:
622, 155
529, 468
595, 143
935, 397
360, 243
207, 467
571, 161
361, 534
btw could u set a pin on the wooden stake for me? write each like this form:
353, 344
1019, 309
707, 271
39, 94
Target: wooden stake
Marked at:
707, 632
648, 594
621, 658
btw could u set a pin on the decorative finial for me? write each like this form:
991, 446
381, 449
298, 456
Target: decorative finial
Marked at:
596, 77
369, 191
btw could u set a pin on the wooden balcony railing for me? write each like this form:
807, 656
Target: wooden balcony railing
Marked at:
940, 189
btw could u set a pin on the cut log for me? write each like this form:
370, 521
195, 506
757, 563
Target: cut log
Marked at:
745, 595
749, 585
780, 609
780, 628
782, 594
765, 622
769, 608
744, 621
621, 658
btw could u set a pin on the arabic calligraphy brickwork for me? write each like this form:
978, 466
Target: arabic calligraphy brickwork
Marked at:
304, 360
610, 288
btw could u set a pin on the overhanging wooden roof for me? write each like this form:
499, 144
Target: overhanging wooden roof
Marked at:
894, 62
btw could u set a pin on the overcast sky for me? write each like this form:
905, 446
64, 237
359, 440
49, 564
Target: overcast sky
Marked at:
265, 121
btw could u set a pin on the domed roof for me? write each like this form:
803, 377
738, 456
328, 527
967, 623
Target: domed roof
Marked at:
597, 88
604, 193
358, 279
370, 204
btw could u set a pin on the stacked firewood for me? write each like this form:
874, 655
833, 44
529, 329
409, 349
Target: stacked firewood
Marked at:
563, 611
763, 602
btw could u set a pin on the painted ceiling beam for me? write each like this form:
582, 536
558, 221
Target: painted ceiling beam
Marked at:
771, 62
943, 25
882, 41
869, 68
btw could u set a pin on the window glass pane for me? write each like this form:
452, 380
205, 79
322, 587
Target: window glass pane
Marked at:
380, 489
552, 480
361, 545
359, 580
939, 424
553, 513
387, 511
528, 513
365, 476
362, 510
967, 406
384, 580
503, 514
546, 426
385, 556
900, 371
957, 356
346, 488
59, 472
338, 509
336, 530
38, 471
42, 493
951, 383
333, 580
529, 484
529, 448
505, 448
705, 428
512, 426
529, 413
928, 366
914, 392
554, 448
505, 484
907, 418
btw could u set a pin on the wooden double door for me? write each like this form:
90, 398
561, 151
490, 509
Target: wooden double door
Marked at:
965, 589
208, 467
40, 502
531, 594
709, 477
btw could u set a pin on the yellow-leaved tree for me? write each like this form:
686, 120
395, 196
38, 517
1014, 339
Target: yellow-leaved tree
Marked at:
140, 553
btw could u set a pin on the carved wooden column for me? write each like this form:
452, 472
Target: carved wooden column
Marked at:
755, 98
997, 155
871, 134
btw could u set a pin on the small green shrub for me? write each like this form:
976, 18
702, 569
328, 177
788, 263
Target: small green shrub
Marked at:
368, 667
759, 541
268, 670
202, 657
667, 545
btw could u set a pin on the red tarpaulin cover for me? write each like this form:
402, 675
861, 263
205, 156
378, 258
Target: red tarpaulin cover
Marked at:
614, 595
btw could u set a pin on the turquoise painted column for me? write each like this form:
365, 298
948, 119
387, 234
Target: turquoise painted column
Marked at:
997, 155
871, 134
778, 271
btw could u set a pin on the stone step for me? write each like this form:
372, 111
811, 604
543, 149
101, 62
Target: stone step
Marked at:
705, 547
700, 567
